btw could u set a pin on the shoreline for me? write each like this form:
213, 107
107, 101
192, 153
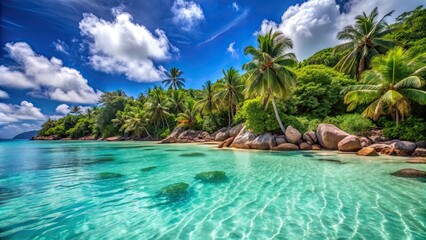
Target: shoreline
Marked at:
422, 159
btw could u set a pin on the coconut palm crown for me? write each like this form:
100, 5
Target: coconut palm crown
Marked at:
390, 86
173, 80
229, 91
365, 40
269, 74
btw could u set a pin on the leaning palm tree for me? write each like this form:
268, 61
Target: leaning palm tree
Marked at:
176, 102
157, 107
391, 85
365, 40
136, 122
188, 117
229, 91
75, 110
119, 121
208, 103
269, 74
174, 81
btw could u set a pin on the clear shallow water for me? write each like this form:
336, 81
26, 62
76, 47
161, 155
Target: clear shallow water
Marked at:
49, 190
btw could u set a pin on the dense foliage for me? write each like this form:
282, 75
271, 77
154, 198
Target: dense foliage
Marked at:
412, 129
274, 91
318, 91
327, 57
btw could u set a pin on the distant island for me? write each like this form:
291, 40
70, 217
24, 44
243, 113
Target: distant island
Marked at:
26, 135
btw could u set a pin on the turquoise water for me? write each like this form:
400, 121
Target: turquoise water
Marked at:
51, 190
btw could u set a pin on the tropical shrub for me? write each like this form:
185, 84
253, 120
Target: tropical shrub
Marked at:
260, 121
318, 91
412, 129
352, 123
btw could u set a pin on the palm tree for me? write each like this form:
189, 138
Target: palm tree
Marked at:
188, 117
269, 73
174, 80
392, 83
365, 40
119, 121
208, 103
136, 122
157, 107
89, 112
75, 110
176, 102
229, 91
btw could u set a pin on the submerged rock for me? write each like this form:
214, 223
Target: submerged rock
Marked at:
195, 154
103, 160
108, 175
329, 136
308, 155
175, 190
212, 176
417, 161
330, 160
148, 169
367, 151
410, 173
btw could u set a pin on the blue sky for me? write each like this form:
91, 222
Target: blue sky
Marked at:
59, 53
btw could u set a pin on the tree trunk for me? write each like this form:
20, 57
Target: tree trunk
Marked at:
397, 117
149, 135
229, 116
277, 115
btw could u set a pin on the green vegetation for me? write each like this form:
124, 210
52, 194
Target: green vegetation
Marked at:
365, 41
381, 84
390, 86
269, 74
413, 129
352, 123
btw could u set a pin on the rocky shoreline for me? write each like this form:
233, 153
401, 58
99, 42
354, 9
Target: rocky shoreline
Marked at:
327, 136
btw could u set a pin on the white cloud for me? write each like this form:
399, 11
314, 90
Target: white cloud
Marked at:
125, 47
187, 13
46, 77
235, 6
232, 50
64, 109
3, 94
10, 113
61, 46
313, 25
